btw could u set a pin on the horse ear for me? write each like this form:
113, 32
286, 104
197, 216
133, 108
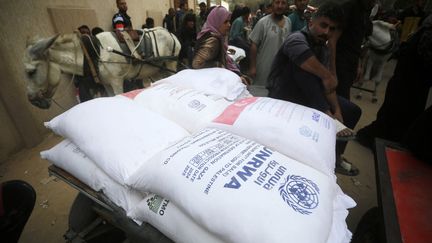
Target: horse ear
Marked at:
41, 46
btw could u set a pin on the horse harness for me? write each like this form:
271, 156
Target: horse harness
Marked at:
127, 50
89, 59
145, 44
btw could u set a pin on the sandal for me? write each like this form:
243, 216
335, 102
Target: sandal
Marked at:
346, 168
343, 132
351, 136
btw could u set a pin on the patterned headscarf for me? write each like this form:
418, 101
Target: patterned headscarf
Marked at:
214, 20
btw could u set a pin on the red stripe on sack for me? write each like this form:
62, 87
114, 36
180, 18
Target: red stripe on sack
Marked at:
132, 94
233, 111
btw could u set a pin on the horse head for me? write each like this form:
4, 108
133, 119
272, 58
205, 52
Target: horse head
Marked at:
42, 75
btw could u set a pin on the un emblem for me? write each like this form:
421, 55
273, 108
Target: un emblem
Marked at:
194, 104
305, 131
300, 193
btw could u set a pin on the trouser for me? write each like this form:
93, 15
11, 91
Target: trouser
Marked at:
351, 115
346, 74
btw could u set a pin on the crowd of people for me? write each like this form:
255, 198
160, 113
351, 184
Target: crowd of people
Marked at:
310, 55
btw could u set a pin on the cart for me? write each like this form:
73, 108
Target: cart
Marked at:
94, 218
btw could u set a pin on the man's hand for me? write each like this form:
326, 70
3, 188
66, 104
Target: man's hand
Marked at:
335, 115
338, 116
330, 83
246, 80
252, 72
334, 37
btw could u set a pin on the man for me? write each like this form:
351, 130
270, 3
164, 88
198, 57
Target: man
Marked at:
180, 14
238, 36
298, 20
84, 30
411, 18
407, 90
259, 14
266, 38
121, 20
348, 51
303, 72
187, 36
238, 25
169, 22
149, 23
202, 16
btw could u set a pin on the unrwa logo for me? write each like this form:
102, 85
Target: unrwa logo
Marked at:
194, 104
300, 193
315, 116
305, 131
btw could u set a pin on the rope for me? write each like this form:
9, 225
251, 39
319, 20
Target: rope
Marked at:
122, 76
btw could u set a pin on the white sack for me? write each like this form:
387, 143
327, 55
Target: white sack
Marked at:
70, 158
340, 232
157, 211
217, 81
189, 108
304, 134
380, 37
171, 221
237, 53
117, 134
240, 190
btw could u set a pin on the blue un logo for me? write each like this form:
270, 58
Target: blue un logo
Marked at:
316, 116
305, 131
300, 193
194, 104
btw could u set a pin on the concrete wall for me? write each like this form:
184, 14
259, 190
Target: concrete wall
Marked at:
21, 125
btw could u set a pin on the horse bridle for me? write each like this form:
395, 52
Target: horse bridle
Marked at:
48, 92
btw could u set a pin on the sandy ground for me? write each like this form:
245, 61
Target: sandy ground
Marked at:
49, 219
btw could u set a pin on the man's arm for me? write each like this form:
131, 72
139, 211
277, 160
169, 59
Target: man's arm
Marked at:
334, 104
252, 59
332, 97
312, 65
255, 38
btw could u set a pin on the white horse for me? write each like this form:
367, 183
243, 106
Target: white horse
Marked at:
46, 59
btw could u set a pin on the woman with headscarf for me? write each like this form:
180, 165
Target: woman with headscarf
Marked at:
212, 45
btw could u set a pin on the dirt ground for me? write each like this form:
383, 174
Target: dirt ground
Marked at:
49, 219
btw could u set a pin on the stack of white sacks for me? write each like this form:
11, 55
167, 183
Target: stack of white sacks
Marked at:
203, 161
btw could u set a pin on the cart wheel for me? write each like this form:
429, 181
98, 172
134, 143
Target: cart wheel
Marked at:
85, 225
